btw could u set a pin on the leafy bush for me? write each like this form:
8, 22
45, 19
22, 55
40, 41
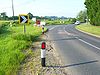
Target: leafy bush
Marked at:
4, 29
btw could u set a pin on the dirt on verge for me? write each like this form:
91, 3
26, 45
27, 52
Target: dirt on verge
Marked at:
32, 64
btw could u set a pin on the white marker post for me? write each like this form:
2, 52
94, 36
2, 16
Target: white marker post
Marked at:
43, 53
42, 29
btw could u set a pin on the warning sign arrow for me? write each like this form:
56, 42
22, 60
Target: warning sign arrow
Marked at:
23, 18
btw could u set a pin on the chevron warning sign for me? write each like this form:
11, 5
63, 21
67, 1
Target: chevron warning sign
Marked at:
23, 18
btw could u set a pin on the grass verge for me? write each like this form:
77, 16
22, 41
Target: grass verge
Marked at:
89, 28
13, 43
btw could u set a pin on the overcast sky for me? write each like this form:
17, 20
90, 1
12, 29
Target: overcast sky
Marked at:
67, 8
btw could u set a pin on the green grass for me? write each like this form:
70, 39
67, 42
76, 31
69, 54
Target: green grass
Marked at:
13, 43
57, 22
89, 28
3, 22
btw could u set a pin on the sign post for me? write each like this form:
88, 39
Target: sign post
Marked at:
23, 19
24, 28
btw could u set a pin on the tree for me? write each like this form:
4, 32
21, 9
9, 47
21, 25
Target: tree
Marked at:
73, 20
3, 16
30, 15
82, 16
11, 18
93, 11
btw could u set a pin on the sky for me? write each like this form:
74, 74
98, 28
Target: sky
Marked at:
67, 8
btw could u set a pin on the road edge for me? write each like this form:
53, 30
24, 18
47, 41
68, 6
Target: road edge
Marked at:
87, 33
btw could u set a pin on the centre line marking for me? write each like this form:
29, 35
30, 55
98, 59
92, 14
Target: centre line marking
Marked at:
53, 28
85, 41
89, 44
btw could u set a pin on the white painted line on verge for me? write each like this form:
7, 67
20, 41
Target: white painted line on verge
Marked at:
89, 44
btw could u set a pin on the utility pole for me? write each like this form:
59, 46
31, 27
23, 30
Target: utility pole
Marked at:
13, 10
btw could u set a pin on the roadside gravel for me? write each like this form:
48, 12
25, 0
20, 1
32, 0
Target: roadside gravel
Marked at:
32, 65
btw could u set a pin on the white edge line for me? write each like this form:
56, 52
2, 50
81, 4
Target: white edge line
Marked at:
85, 42
88, 33
89, 44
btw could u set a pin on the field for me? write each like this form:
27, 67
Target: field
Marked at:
57, 22
89, 28
13, 43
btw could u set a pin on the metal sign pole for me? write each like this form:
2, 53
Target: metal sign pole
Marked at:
24, 28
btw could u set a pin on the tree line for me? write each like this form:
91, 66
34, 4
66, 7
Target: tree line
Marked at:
3, 16
93, 11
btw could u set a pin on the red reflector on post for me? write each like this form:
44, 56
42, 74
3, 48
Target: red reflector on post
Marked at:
43, 46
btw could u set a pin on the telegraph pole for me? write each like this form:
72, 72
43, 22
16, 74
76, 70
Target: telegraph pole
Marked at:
13, 10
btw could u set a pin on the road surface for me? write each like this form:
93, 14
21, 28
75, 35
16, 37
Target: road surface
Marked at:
79, 52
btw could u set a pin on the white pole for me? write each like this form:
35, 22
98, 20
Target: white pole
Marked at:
42, 29
43, 54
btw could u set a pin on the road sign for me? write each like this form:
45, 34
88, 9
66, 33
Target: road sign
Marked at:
42, 23
38, 22
34, 19
23, 18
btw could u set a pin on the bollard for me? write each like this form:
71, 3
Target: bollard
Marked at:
43, 53
42, 29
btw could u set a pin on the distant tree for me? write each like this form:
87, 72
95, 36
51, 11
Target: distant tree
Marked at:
3, 16
11, 18
6, 17
30, 15
15, 17
73, 20
82, 16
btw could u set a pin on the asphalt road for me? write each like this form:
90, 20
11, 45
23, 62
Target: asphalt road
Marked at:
79, 52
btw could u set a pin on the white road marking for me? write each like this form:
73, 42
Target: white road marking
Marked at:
89, 44
53, 28
83, 41
66, 31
